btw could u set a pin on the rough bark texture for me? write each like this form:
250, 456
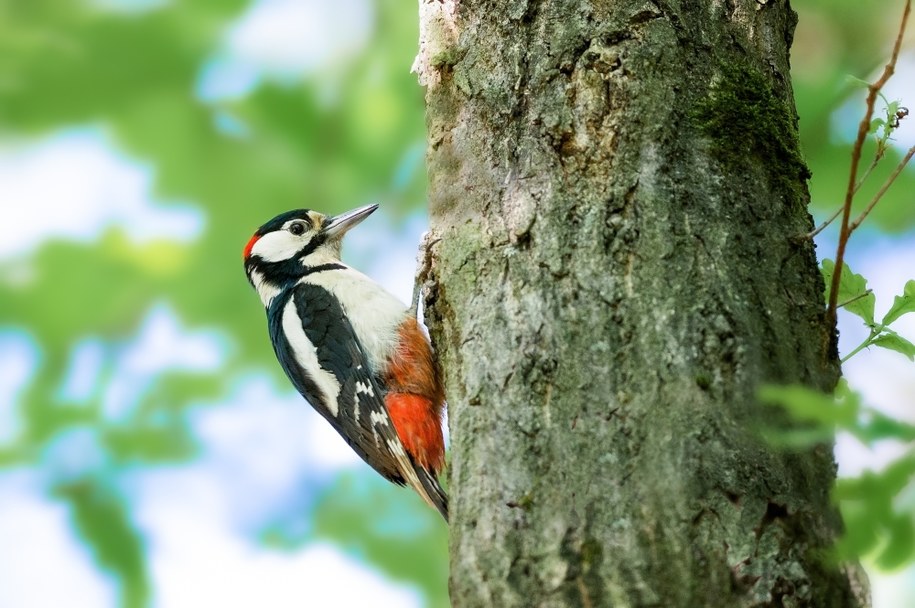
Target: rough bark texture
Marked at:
617, 188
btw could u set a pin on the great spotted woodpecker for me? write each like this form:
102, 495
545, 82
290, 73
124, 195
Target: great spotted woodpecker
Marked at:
350, 348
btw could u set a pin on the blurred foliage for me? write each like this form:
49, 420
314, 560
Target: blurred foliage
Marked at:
835, 65
348, 134
879, 518
418, 539
100, 517
343, 136
878, 521
837, 44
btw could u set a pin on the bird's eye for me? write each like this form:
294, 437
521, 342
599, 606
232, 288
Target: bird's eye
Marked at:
297, 228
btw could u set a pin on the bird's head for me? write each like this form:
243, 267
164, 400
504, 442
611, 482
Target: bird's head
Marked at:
283, 249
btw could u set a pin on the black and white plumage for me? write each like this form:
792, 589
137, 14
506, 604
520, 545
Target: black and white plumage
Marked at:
350, 347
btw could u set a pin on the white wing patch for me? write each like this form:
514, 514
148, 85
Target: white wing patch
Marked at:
365, 389
377, 419
307, 356
396, 447
400, 455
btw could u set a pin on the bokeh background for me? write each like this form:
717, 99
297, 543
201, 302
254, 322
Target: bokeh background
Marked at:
151, 453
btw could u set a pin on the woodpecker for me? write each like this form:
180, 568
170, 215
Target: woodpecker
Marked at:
351, 348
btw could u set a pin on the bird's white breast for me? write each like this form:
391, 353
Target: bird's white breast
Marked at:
374, 313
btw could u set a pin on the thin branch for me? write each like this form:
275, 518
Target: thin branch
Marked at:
861, 181
823, 226
855, 298
889, 182
860, 347
867, 173
863, 128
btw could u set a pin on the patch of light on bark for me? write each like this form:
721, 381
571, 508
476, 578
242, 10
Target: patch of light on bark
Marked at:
438, 31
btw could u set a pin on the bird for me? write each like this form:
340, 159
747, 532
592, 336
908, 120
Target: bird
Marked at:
352, 349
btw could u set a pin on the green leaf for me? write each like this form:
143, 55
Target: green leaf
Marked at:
878, 426
807, 404
861, 531
896, 342
797, 439
901, 545
872, 523
902, 305
857, 82
852, 289
897, 475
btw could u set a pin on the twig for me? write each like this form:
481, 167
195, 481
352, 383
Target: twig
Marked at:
867, 342
867, 172
855, 298
844, 233
889, 182
823, 226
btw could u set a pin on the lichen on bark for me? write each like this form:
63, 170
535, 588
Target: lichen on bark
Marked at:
608, 290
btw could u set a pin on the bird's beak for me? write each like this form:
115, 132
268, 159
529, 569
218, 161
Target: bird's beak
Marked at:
338, 225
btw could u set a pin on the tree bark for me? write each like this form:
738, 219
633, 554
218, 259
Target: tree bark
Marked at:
618, 191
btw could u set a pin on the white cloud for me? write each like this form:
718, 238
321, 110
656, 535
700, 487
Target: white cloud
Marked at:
86, 363
263, 455
73, 186
72, 454
264, 452
197, 519
893, 589
285, 40
196, 564
195, 560
161, 345
18, 361
41, 562
295, 37
258, 415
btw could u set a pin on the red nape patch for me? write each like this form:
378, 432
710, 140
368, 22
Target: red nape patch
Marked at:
419, 428
248, 247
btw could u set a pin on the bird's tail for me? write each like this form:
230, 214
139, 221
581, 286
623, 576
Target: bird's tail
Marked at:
431, 491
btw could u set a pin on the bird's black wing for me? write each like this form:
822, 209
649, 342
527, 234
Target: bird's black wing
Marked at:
318, 349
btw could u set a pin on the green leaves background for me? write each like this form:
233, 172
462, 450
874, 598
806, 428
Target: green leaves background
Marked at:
345, 135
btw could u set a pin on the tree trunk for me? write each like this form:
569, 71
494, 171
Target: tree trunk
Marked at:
617, 189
